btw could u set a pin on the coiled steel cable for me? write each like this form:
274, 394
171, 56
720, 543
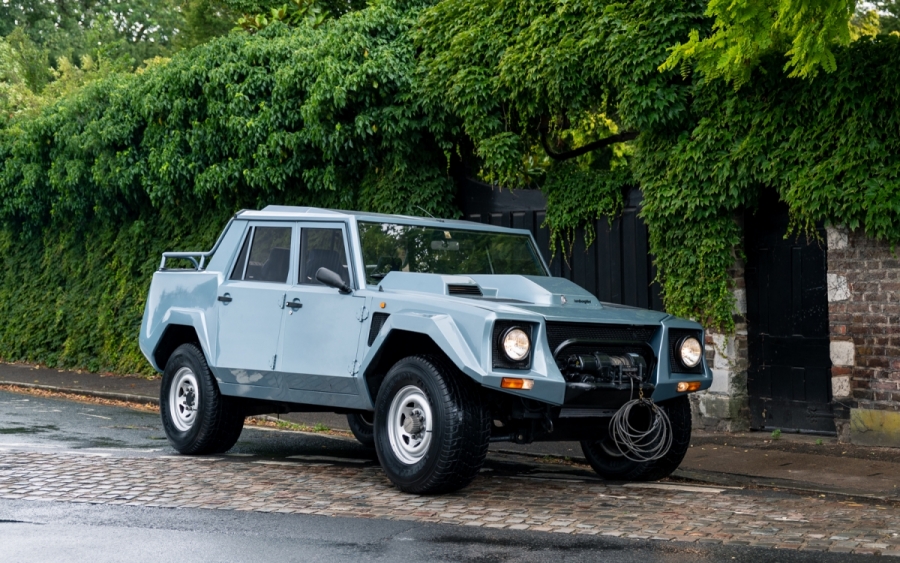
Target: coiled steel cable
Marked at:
641, 445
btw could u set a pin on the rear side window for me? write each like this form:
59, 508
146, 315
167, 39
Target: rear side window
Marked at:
238, 272
322, 248
268, 259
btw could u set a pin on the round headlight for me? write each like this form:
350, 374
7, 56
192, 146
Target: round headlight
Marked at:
690, 352
516, 344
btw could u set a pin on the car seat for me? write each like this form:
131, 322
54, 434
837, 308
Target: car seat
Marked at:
276, 267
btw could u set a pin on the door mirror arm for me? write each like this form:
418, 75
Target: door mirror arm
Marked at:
331, 279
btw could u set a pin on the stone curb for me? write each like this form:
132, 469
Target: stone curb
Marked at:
87, 392
737, 479
740, 480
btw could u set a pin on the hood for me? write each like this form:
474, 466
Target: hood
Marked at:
534, 290
554, 298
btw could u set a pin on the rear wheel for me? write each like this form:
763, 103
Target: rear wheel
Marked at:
610, 463
197, 419
432, 430
363, 427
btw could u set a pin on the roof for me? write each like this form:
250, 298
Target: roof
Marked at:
289, 213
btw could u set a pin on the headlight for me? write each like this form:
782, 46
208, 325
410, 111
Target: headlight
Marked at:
690, 352
516, 344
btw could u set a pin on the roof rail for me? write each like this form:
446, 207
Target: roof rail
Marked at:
203, 256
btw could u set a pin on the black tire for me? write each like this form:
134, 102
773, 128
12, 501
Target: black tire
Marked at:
461, 426
363, 427
609, 464
215, 424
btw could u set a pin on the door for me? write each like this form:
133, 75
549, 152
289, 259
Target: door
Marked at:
251, 304
322, 326
789, 377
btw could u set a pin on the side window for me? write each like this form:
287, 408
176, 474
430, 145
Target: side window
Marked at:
238, 271
269, 256
322, 248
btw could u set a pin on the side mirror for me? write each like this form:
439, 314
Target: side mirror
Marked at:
331, 279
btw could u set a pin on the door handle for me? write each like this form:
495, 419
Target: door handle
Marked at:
225, 298
295, 304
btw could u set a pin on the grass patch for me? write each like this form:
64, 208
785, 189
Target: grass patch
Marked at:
280, 424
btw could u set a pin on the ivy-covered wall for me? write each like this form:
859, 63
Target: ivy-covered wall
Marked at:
829, 146
94, 188
75, 298
367, 111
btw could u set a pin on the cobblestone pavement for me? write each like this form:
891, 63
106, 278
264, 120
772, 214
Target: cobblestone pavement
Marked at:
668, 513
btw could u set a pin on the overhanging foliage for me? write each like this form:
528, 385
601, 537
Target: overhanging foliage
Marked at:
98, 184
829, 146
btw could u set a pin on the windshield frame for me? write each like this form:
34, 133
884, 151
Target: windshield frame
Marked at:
447, 225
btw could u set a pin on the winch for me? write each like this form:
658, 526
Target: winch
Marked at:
600, 367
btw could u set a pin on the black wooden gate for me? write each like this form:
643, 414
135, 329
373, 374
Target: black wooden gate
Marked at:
616, 268
789, 378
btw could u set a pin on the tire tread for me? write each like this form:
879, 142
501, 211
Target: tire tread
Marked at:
466, 436
679, 412
222, 419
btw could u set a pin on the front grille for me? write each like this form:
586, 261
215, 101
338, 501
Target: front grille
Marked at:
378, 320
572, 339
557, 333
675, 336
464, 289
498, 356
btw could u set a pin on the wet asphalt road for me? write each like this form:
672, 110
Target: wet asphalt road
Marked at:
60, 531
51, 424
34, 531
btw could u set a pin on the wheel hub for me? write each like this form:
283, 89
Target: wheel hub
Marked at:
415, 423
410, 424
184, 403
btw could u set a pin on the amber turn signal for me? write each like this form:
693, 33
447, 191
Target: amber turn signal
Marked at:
685, 386
516, 383
383, 305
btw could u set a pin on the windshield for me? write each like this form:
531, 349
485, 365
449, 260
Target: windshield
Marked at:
388, 247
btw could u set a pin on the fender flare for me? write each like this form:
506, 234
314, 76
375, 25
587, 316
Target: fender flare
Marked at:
183, 317
441, 328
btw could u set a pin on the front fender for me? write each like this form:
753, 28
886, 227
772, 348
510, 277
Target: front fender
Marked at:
441, 328
549, 385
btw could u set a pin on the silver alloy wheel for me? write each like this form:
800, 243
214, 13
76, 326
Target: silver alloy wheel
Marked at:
184, 401
409, 424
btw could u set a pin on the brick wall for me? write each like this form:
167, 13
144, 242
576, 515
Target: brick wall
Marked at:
864, 314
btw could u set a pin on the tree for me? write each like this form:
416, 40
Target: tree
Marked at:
744, 31
547, 92
865, 24
879, 17
125, 32
204, 20
28, 62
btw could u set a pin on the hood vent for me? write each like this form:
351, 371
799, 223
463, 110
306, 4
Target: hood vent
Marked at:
465, 290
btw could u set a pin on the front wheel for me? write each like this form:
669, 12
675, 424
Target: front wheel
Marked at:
609, 463
432, 429
197, 419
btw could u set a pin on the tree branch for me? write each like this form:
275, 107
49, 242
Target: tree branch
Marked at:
621, 137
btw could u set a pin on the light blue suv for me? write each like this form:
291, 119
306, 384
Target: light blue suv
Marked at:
435, 337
